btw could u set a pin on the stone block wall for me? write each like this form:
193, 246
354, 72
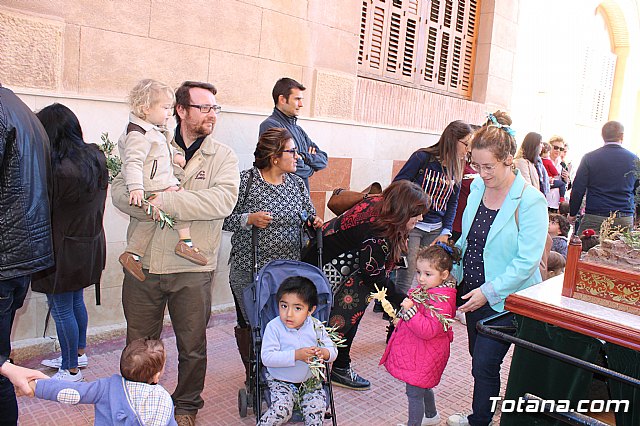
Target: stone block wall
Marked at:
88, 55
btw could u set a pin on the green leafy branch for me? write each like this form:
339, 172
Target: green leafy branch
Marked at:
163, 218
317, 365
114, 163
426, 299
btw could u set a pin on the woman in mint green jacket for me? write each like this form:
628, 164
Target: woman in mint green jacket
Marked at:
504, 230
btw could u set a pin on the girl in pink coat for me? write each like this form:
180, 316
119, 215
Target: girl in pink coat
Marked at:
419, 347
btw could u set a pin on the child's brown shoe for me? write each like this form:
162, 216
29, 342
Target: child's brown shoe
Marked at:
192, 254
132, 266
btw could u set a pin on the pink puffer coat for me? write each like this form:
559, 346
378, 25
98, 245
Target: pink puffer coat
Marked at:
419, 349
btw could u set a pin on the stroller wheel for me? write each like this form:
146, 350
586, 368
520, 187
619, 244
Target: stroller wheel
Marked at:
242, 402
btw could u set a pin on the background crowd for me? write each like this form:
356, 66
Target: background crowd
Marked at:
473, 187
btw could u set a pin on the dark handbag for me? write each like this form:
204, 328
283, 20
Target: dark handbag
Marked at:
342, 199
307, 234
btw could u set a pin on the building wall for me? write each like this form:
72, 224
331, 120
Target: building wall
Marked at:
87, 55
549, 66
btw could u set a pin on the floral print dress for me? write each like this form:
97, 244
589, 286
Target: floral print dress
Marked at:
353, 233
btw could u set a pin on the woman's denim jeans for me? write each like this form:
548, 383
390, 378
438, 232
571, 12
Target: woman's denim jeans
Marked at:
70, 314
487, 354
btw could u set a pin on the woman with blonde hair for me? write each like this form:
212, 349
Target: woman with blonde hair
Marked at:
508, 219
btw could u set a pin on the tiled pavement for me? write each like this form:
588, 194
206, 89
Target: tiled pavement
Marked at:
384, 404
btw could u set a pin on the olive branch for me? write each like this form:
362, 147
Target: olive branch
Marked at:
420, 296
114, 163
316, 364
163, 218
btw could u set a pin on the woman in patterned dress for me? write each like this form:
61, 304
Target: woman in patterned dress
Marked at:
271, 198
375, 232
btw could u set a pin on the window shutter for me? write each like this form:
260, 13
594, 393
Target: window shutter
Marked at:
469, 33
372, 36
402, 43
595, 85
425, 44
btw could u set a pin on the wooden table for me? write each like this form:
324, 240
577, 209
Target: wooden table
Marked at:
544, 302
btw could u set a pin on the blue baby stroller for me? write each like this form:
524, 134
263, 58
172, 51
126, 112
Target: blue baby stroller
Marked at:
261, 307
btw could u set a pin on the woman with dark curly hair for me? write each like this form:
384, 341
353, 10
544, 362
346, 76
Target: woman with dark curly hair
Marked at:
363, 245
271, 198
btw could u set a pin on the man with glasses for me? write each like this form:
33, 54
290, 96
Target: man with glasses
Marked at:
287, 97
208, 195
607, 177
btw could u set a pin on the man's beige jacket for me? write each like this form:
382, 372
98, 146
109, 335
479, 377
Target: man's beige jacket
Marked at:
211, 180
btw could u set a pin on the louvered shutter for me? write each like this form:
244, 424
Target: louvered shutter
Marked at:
450, 45
372, 36
595, 83
401, 40
429, 44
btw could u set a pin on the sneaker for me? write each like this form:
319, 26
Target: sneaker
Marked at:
459, 419
132, 266
429, 421
192, 254
67, 376
347, 378
83, 361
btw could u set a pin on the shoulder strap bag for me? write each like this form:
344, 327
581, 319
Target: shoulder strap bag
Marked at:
342, 199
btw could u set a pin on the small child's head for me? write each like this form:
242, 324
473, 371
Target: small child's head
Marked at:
143, 361
589, 239
564, 208
559, 225
297, 299
546, 149
434, 264
152, 101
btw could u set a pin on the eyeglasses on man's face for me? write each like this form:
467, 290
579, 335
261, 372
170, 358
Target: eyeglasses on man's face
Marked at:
206, 109
558, 148
489, 168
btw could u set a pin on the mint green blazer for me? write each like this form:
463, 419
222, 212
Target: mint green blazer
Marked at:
513, 250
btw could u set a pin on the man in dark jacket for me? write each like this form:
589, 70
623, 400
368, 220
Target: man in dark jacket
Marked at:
606, 176
287, 97
25, 228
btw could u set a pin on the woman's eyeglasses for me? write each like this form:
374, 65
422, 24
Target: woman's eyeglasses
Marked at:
489, 168
465, 141
293, 151
558, 148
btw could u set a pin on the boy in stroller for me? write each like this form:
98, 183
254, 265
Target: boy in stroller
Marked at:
290, 343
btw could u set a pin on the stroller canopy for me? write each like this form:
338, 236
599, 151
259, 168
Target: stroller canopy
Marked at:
260, 296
